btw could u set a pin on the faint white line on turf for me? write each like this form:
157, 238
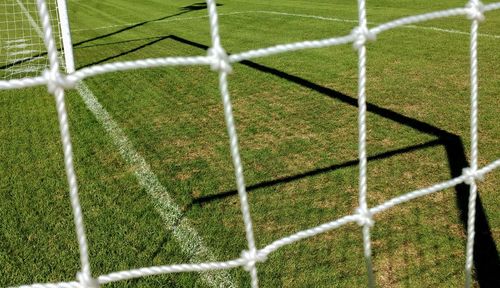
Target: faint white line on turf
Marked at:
28, 59
221, 14
158, 21
18, 46
306, 16
22, 52
24, 69
188, 239
21, 40
452, 31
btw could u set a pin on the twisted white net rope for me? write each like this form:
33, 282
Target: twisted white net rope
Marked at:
219, 61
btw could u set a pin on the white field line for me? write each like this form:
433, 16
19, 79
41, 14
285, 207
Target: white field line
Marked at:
29, 59
19, 46
185, 235
188, 239
24, 69
21, 40
22, 52
451, 31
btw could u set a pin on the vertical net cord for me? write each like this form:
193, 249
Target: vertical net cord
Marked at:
224, 68
363, 207
58, 91
474, 148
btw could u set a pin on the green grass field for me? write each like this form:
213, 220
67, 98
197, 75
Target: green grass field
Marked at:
296, 116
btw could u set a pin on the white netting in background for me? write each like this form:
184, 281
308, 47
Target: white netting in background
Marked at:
219, 61
22, 51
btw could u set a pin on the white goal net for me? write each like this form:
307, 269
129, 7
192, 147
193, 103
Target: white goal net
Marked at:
22, 51
21, 38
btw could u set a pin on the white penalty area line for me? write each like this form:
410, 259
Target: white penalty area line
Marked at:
186, 236
432, 28
20, 40
452, 31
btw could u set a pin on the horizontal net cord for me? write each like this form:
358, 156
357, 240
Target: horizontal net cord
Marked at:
491, 6
282, 48
81, 74
435, 188
138, 64
262, 254
23, 83
419, 18
177, 268
72, 78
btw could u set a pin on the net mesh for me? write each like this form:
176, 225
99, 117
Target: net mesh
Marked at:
220, 62
22, 51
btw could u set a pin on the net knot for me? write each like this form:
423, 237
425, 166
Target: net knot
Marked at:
56, 80
252, 257
471, 175
87, 281
364, 217
475, 10
220, 60
361, 35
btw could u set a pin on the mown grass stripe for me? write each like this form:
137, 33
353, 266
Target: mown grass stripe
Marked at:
451, 31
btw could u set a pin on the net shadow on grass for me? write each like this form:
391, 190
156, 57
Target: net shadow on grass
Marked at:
283, 180
486, 258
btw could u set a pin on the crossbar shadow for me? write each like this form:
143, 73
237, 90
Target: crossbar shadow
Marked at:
186, 9
135, 49
315, 172
486, 258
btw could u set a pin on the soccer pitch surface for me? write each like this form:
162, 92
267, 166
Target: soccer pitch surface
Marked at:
152, 153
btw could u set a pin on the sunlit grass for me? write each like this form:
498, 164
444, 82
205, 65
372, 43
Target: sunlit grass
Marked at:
297, 123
